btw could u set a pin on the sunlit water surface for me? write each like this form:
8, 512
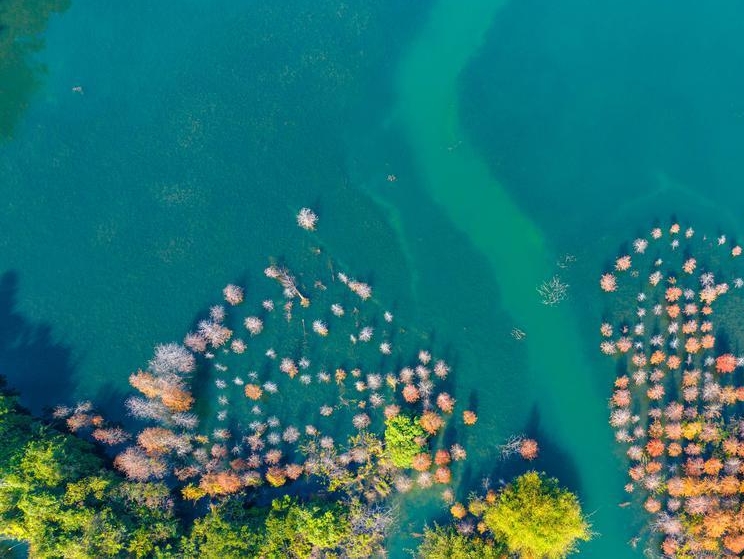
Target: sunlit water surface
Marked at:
519, 132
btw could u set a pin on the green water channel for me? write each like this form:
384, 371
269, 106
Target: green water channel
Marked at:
521, 258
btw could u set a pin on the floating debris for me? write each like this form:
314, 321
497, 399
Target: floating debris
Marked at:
518, 334
553, 291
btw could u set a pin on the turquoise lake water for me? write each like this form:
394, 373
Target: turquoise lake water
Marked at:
519, 132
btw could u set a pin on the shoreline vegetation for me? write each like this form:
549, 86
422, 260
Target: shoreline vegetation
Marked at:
672, 326
320, 410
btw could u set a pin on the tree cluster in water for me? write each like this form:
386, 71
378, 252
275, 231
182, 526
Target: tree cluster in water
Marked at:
677, 399
58, 496
308, 383
393, 408
314, 383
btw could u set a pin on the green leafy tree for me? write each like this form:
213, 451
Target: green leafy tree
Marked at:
288, 529
447, 543
537, 519
57, 495
302, 531
227, 530
401, 435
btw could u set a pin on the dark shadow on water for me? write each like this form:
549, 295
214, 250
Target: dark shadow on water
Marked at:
724, 343
109, 402
473, 401
36, 365
551, 460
